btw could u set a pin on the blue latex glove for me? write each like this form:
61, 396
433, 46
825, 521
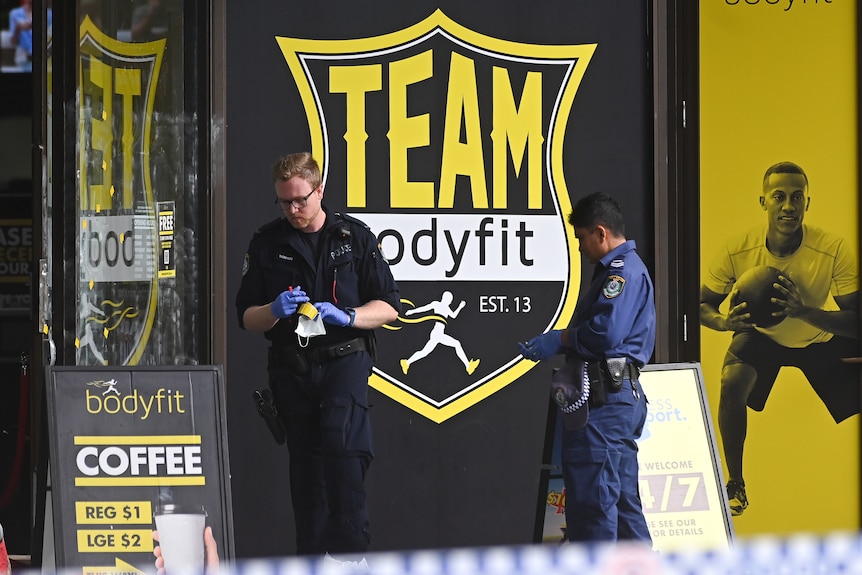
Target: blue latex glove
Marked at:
287, 302
543, 346
331, 314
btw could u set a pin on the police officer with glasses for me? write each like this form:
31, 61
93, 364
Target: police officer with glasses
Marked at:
320, 357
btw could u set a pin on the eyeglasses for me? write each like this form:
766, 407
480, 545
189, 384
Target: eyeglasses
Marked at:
298, 203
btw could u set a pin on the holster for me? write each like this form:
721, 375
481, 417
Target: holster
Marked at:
613, 369
266, 409
606, 375
598, 393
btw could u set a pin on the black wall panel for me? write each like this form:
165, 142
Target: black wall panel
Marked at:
472, 480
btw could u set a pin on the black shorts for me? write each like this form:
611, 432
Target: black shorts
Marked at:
835, 382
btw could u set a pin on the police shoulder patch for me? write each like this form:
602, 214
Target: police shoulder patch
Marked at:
613, 286
245, 265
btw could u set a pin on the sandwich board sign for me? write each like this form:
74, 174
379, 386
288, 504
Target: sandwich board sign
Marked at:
133, 449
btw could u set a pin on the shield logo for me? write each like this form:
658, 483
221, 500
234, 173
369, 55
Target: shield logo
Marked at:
449, 144
117, 234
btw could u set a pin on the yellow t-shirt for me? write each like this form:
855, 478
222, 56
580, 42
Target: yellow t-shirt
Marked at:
822, 267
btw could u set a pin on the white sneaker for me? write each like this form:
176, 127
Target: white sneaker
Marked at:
334, 566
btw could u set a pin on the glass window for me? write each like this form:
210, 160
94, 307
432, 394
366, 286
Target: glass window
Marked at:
139, 191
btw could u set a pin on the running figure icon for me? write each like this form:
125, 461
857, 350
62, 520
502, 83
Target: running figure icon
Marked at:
112, 387
442, 309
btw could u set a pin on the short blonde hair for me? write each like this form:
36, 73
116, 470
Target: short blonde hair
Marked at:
300, 164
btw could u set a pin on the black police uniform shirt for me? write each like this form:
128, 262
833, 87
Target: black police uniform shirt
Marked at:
348, 272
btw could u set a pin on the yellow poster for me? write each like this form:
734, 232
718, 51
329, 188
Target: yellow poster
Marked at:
779, 189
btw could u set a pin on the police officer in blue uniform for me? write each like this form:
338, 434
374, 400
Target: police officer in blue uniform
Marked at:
319, 383
613, 331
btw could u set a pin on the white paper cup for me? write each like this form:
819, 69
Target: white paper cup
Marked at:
181, 537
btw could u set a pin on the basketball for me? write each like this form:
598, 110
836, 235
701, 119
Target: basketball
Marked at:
755, 287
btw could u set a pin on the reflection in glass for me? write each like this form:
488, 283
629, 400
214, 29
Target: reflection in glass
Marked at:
138, 292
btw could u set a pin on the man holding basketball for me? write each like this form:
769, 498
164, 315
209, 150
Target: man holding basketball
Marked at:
813, 330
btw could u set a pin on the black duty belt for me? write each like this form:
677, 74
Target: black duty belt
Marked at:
291, 355
330, 352
617, 369
607, 375
631, 372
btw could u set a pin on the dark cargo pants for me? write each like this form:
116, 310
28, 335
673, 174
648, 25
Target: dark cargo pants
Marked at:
600, 471
325, 415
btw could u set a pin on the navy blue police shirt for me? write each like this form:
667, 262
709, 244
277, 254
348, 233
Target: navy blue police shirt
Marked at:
349, 272
616, 316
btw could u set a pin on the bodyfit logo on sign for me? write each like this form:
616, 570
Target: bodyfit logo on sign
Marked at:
449, 145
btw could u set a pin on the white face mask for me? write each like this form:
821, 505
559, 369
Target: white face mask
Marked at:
310, 324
